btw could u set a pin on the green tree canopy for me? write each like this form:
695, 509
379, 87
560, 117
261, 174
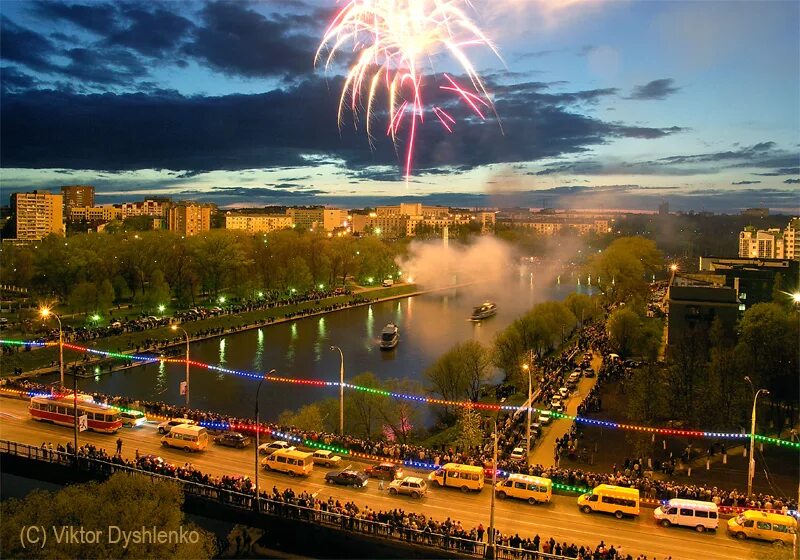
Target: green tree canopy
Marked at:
127, 502
623, 269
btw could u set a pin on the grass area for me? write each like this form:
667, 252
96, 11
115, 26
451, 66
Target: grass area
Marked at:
446, 437
41, 358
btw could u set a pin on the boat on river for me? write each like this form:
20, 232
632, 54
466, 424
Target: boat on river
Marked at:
390, 336
488, 309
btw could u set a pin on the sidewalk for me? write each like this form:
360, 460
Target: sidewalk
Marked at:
543, 453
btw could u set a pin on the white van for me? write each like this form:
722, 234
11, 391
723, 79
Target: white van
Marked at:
186, 437
388, 283
688, 513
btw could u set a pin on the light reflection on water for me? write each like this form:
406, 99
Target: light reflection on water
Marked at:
429, 325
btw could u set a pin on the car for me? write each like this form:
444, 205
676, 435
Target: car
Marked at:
132, 418
326, 458
410, 485
347, 477
556, 405
589, 373
272, 446
564, 392
167, 425
518, 453
232, 439
386, 471
544, 417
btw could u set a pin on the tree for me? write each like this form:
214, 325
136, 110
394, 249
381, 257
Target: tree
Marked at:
105, 295
475, 362
468, 429
363, 407
123, 500
623, 268
583, 306
308, 417
460, 372
83, 297
401, 415
623, 327
156, 292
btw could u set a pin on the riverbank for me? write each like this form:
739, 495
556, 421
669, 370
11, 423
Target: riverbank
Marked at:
38, 362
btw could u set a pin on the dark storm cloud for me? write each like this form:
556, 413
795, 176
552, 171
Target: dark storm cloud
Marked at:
290, 127
792, 181
12, 79
783, 171
238, 41
25, 47
761, 155
260, 192
97, 18
746, 183
657, 89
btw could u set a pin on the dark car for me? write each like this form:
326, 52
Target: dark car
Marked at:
347, 477
386, 471
232, 439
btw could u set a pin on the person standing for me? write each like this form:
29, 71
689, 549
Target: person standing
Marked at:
119, 446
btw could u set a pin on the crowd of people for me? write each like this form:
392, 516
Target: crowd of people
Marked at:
116, 327
413, 527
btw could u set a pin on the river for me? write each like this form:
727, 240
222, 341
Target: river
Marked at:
429, 325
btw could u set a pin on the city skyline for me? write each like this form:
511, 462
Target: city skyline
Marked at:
605, 105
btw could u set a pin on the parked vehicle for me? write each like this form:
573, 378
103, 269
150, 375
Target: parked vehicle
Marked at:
410, 485
232, 439
291, 461
132, 418
619, 500
347, 477
386, 471
518, 453
186, 437
166, 426
465, 477
774, 527
534, 489
326, 458
272, 446
688, 513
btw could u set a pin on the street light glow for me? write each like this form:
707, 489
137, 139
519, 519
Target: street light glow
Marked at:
221, 299
174, 327
796, 297
44, 311
162, 308
673, 267
95, 317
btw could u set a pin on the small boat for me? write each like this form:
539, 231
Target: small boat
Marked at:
390, 336
484, 311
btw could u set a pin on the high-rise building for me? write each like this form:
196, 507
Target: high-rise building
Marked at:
257, 223
791, 240
77, 196
38, 214
156, 207
189, 219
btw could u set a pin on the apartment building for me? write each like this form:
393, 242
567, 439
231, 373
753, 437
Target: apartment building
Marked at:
38, 214
772, 243
189, 219
77, 196
257, 223
104, 213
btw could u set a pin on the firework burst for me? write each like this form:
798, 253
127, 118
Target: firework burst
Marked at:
391, 44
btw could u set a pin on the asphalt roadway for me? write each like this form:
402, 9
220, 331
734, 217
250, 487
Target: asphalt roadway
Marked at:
560, 519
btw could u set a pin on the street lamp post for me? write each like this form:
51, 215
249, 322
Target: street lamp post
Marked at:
490, 551
341, 389
751, 470
175, 328
45, 312
258, 433
529, 368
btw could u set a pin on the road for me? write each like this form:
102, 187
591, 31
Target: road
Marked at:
560, 519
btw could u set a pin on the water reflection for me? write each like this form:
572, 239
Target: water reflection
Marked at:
429, 325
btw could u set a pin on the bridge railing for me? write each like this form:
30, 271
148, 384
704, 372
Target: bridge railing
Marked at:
267, 506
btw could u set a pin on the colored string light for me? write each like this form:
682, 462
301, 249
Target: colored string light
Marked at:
428, 400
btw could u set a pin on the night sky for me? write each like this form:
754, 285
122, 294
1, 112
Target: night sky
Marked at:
600, 104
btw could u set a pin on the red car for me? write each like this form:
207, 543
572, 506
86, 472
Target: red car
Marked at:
386, 471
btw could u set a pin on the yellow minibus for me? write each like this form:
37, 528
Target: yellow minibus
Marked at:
186, 437
466, 477
292, 461
619, 500
774, 527
534, 489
